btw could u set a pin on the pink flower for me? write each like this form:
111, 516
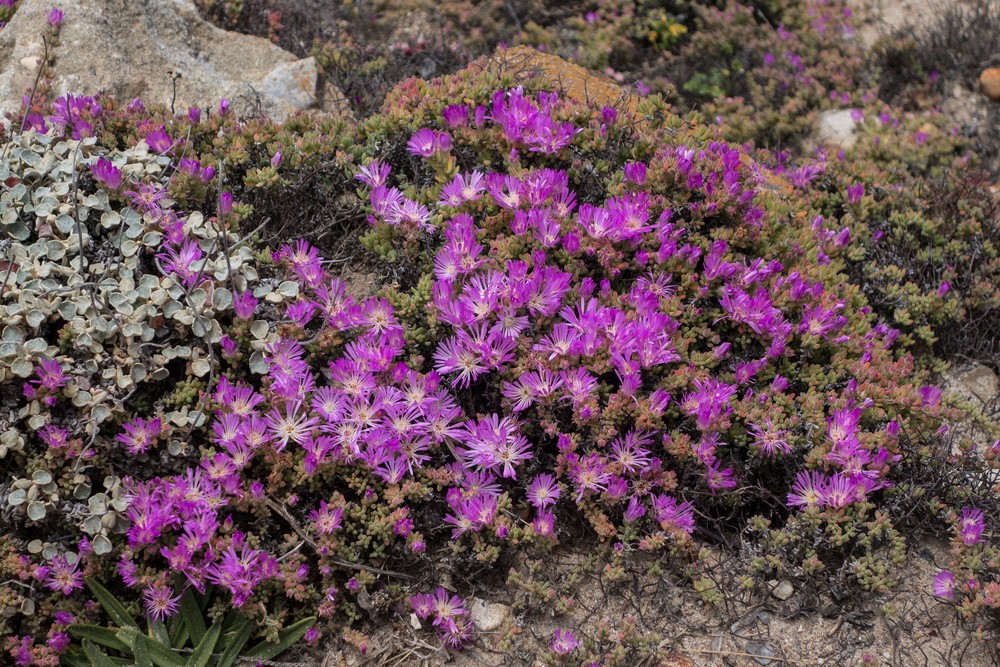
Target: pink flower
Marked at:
160, 601
55, 17
544, 491
139, 434
564, 642
64, 576
106, 173
944, 585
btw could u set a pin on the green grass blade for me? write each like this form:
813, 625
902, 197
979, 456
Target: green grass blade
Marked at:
158, 631
73, 658
97, 657
203, 651
98, 635
286, 638
141, 652
159, 654
193, 619
236, 644
112, 606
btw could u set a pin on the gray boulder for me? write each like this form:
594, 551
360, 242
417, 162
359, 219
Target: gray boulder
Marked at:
137, 48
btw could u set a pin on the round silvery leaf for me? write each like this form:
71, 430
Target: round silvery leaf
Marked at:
82, 491
35, 547
258, 364
36, 422
91, 525
41, 477
129, 247
200, 367
34, 318
222, 299
102, 545
100, 413
36, 511
109, 219
13, 333
22, 367
16, 497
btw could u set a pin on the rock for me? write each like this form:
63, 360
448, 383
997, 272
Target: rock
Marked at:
525, 63
137, 48
762, 653
837, 128
487, 616
989, 83
982, 382
783, 590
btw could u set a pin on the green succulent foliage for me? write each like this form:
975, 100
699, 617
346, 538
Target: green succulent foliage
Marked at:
188, 641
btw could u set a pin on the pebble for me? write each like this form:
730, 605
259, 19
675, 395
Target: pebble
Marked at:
989, 83
783, 590
487, 616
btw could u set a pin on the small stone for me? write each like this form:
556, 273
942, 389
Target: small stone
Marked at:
982, 382
837, 128
762, 653
487, 615
989, 83
783, 590
414, 621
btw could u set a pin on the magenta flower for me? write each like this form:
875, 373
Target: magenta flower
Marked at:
455, 115
807, 490
544, 491
159, 141
50, 375
244, 305
972, 525
139, 434
564, 642
160, 601
106, 173
64, 576
180, 261
944, 585
55, 17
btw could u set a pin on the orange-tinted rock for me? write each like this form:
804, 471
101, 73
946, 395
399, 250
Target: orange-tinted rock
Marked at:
525, 62
989, 83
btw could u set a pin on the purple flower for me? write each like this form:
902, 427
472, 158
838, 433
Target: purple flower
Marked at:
456, 115
244, 305
854, 193
426, 142
106, 173
139, 434
276, 159
64, 576
55, 17
544, 491
972, 525
944, 585
943, 288
160, 601
225, 203
223, 106
194, 115
564, 642
159, 141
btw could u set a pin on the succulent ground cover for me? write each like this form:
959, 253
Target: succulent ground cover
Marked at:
597, 327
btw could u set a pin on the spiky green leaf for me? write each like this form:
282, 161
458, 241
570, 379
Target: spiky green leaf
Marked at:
236, 643
97, 657
286, 638
98, 635
203, 651
111, 605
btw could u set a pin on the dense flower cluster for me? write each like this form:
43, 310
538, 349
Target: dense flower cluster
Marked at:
594, 320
